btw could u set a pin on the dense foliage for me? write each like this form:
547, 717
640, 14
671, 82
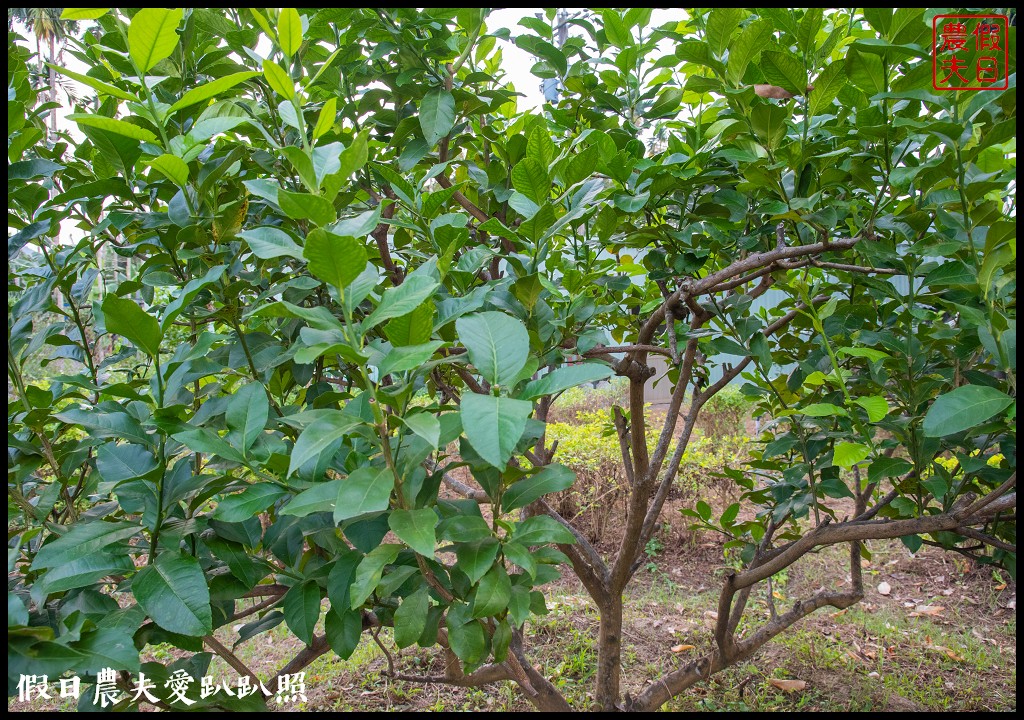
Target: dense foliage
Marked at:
291, 268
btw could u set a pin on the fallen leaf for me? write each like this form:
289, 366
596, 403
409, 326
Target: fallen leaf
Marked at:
788, 685
839, 612
777, 595
931, 610
1001, 587
859, 657
710, 614
945, 651
681, 648
884, 588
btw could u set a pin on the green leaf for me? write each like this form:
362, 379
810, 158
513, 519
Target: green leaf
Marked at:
344, 630
152, 36
107, 647
498, 345
703, 510
268, 243
954, 272
826, 87
411, 618
31, 169
467, 640
493, 593
247, 413
334, 259
85, 571
530, 178
769, 123
565, 377
303, 165
117, 462
501, 639
437, 115
416, 529
365, 490
369, 571
124, 317
278, 79
540, 146
173, 167
746, 46
963, 409
722, 22
264, 25
289, 31
174, 594
413, 328
303, 206
248, 503
614, 29
848, 454
810, 24
466, 528
493, 425
118, 127
212, 89
666, 104
339, 580
398, 301
426, 425
409, 357
301, 607
117, 425
869, 353
318, 437
551, 478
84, 539
875, 405
188, 294
519, 555
97, 85
884, 467
629, 203
541, 529
822, 410
83, 13
325, 120
865, 71
784, 70
834, 487
205, 440
476, 558
729, 516
353, 158
319, 498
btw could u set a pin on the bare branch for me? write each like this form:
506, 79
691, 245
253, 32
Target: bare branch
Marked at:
623, 433
266, 590
269, 602
231, 659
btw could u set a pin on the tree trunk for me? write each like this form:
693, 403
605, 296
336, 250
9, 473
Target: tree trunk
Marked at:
609, 654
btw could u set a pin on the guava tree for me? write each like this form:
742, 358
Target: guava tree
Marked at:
291, 302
